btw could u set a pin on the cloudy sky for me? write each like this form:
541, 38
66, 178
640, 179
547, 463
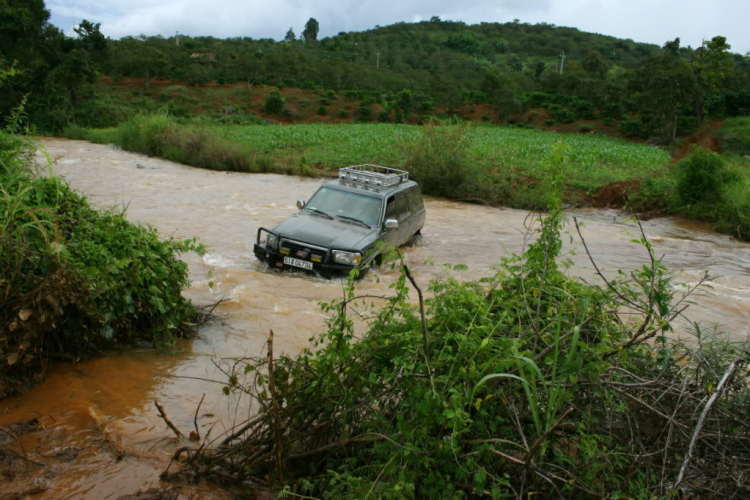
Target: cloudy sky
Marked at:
653, 21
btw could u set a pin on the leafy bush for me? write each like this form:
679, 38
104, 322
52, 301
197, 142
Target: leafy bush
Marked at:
734, 218
561, 114
405, 101
584, 109
239, 118
735, 136
159, 135
342, 113
633, 128
74, 280
384, 117
274, 104
364, 113
525, 383
100, 112
687, 124
322, 111
439, 160
613, 111
701, 178
75, 131
426, 107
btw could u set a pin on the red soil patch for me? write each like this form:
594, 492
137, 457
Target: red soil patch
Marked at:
615, 194
703, 138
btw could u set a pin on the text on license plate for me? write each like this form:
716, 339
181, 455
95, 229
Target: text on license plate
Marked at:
298, 263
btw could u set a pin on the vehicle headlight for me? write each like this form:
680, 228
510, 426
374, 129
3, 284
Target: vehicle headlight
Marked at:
346, 258
271, 241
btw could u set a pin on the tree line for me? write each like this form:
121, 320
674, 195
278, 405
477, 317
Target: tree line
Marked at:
513, 66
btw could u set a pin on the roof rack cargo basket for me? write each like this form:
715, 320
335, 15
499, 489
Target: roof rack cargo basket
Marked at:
374, 175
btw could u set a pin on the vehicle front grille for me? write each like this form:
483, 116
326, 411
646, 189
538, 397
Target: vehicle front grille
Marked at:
301, 250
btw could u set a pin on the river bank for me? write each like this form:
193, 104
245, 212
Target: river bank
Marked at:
492, 165
224, 210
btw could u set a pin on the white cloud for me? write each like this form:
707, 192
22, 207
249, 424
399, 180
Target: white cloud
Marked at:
653, 21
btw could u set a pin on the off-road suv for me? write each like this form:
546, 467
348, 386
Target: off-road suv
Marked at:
342, 224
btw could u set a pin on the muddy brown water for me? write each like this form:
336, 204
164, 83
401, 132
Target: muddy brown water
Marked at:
100, 435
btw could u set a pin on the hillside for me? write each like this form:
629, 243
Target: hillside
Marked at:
405, 72
438, 57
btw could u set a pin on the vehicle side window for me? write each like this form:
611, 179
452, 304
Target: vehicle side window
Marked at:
415, 199
402, 207
390, 209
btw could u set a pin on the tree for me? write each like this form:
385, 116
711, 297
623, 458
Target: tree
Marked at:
92, 41
310, 34
594, 64
55, 71
405, 101
712, 65
290, 36
539, 68
275, 103
503, 91
22, 25
665, 84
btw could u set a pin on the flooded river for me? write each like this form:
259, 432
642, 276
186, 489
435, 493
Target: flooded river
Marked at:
101, 435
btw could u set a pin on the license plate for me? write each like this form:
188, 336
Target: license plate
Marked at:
298, 263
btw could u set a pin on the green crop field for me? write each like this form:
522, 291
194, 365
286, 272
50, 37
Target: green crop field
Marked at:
498, 165
592, 160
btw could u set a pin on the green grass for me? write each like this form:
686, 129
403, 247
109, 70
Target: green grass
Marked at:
495, 165
500, 165
735, 136
592, 160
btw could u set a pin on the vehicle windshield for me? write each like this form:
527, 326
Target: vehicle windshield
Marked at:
336, 202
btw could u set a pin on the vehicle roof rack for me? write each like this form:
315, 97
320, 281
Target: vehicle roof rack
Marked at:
374, 175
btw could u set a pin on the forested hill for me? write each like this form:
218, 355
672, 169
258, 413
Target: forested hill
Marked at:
438, 57
411, 70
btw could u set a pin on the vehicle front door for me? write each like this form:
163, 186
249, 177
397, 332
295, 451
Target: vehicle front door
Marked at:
397, 208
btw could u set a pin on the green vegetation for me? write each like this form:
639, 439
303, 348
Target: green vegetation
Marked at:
75, 281
704, 186
735, 136
714, 189
523, 384
426, 68
487, 164
501, 166
274, 104
506, 164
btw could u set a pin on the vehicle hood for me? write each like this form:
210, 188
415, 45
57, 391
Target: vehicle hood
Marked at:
324, 232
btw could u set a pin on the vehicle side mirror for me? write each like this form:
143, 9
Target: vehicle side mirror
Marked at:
391, 224
300, 204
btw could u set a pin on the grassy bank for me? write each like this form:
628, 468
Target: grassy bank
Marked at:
500, 165
75, 281
486, 164
735, 136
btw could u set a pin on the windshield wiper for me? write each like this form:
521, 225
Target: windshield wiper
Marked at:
315, 210
352, 219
